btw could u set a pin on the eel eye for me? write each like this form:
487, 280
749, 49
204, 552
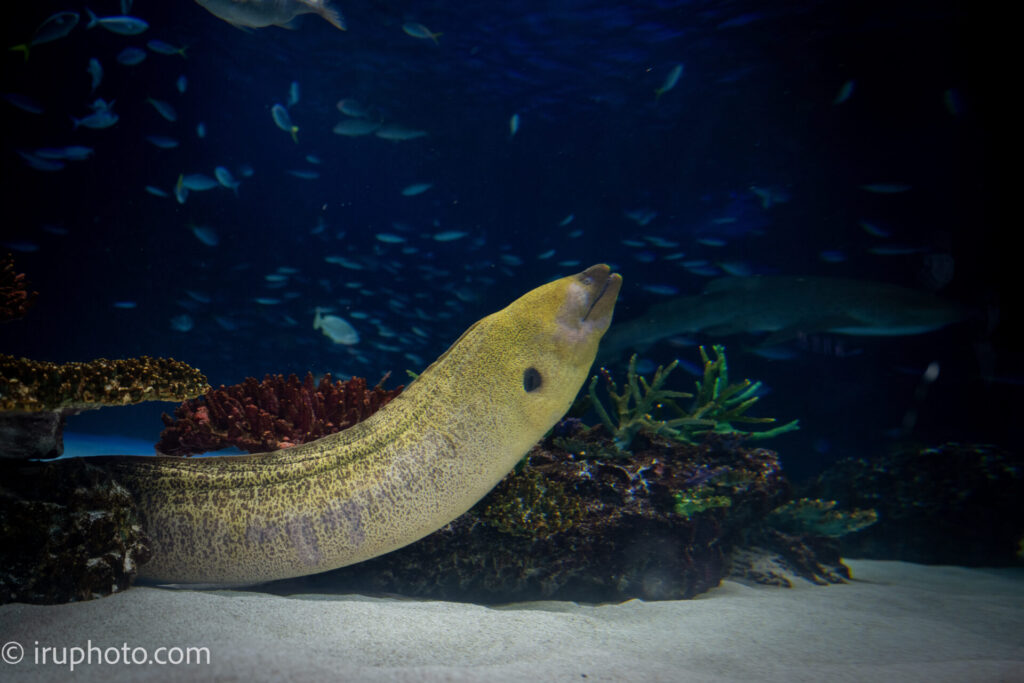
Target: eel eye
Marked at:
531, 380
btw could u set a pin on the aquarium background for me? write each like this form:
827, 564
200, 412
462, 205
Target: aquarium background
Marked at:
764, 101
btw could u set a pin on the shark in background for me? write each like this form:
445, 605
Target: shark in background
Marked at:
260, 13
786, 307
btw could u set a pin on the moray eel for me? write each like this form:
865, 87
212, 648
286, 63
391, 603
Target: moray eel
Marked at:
412, 467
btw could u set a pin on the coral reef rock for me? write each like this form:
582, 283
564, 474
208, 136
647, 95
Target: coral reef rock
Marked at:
67, 533
35, 396
275, 413
577, 523
956, 504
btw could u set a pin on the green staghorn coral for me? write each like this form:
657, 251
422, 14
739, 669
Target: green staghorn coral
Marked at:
641, 406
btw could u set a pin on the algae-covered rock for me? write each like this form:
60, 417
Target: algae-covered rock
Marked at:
67, 532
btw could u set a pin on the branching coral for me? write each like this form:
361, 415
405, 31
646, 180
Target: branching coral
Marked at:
640, 406
15, 298
275, 413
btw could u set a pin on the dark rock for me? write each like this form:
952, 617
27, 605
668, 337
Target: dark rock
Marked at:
32, 435
956, 504
67, 533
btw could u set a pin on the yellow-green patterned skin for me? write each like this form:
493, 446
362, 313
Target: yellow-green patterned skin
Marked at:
412, 467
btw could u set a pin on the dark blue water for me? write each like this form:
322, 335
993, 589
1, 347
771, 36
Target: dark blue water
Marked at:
756, 106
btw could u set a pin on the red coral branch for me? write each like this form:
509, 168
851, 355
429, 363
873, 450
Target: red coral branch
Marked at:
275, 413
15, 299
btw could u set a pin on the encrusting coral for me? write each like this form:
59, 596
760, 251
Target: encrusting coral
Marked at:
36, 396
643, 406
33, 386
15, 298
259, 416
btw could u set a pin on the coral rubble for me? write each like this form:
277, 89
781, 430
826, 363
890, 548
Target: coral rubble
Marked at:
36, 396
275, 413
15, 297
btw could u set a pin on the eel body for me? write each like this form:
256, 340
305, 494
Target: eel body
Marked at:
412, 467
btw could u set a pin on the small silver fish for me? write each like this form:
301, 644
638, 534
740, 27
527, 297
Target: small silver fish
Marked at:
284, 121
885, 188
416, 30
397, 132
95, 72
449, 235
199, 182
162, 142
416, 188
356, 127
351, 107
130, 56
207, 236
55, 27
164, 109
40, 164
225, 178
101, 118
23, 102
261, 13
670, 81
182, 323
844, 93
160, 47
71, 153
338, 330
126, 26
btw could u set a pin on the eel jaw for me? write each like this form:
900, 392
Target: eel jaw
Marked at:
587, 304
601, 288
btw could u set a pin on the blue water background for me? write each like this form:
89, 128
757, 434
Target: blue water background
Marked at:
754, 107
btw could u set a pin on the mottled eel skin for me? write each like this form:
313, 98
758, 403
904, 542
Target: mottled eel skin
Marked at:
418, 463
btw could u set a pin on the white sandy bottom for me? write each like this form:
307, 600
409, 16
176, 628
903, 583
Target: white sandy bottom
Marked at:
898, 622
